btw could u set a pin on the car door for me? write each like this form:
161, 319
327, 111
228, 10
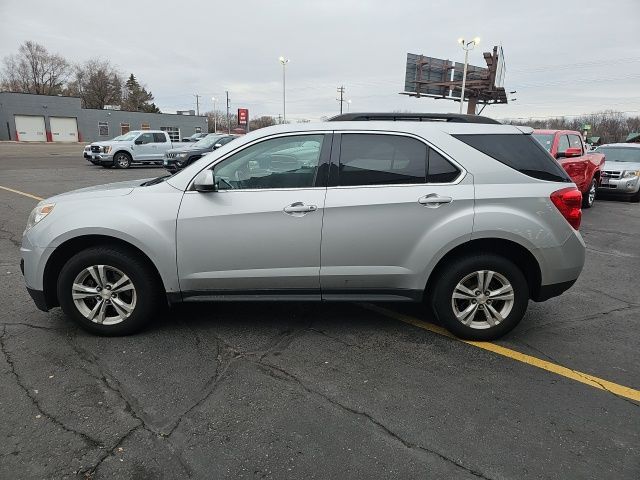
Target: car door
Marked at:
143, 147
393, 203
160, 145
259, 234
579, 165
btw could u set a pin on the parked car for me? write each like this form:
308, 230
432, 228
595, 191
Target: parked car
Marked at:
142, 147
621, 174
584, 167
178, 158
195, 137
471, 217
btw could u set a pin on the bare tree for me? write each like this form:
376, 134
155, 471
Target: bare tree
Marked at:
609, 125
35, 70
97, 83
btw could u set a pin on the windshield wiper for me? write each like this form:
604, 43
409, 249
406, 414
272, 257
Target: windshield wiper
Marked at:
155, 181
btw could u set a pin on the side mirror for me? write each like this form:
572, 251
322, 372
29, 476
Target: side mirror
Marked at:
138, 142
217, 145
571, 152
205, 182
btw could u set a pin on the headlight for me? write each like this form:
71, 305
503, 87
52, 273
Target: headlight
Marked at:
631, 173
38, 213
106, 149
181, 155
87, 148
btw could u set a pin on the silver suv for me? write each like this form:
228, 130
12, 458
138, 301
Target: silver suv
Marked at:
471, 217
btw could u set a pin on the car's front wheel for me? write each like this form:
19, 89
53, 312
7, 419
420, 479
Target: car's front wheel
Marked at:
122, 160
480, 297
108, 291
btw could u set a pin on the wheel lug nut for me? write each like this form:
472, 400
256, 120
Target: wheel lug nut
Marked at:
481, 306
487, 293
98, 288
474, 301
477, 292
108, 287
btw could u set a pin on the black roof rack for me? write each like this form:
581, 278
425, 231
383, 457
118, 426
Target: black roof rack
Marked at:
412, 117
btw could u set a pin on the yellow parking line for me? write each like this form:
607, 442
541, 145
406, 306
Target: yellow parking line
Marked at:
585, 378
21, 193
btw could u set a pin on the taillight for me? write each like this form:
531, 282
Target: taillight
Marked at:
569, 202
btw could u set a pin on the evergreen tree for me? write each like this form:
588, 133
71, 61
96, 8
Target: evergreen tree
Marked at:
137, 98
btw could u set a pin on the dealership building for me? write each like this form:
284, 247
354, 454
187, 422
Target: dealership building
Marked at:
25, 117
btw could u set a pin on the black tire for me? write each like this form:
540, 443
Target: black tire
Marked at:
148, 289
587, 202
635, 198
441, 297
107, 166
122, 160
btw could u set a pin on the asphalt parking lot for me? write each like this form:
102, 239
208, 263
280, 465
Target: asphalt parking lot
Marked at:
248, 390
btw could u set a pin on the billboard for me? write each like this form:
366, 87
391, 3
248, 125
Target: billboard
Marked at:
427, 69
243, 116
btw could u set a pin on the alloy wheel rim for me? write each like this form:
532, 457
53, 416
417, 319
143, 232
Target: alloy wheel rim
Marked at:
122, 161
592, 193
104, 294
482, 299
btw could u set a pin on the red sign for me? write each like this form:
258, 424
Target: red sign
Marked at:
243, 116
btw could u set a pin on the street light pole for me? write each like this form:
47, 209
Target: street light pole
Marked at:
284, 62
466, 46
215, 116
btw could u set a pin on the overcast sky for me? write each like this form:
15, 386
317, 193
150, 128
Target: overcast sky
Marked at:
562, 57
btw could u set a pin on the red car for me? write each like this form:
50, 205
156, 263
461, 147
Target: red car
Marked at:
583, 167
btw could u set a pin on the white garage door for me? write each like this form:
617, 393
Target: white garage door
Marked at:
30, 128
64, 129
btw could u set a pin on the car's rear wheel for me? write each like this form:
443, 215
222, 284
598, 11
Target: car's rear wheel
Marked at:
480, 297
108, 291
122, 160
589, 197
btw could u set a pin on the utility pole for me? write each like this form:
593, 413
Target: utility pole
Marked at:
228, 121
284, 62
341, 99
215, 116
197, 104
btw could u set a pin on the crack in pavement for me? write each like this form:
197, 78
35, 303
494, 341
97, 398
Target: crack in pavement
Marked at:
131, 406
90, 471
586, 318
580, 374
273, 370
90, 441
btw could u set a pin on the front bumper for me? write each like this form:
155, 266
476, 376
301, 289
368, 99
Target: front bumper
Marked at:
620, 185
29, 266
173, 165
102, 158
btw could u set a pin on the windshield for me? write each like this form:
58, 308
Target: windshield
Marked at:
207, 141
544, 139
127, 137
620, 154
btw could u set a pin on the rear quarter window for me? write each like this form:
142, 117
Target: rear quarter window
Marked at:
520, 152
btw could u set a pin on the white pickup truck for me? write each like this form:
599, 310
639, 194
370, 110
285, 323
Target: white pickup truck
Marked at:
138, 146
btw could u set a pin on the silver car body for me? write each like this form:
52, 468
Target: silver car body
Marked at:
358, 243
620, 177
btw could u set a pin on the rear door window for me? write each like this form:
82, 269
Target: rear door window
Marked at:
379, 159
520, 152
159, 138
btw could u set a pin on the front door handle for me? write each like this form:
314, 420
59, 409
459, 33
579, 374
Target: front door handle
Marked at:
433, 200
299, 208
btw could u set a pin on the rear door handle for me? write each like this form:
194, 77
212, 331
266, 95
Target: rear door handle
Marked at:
299, 208
433, 200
